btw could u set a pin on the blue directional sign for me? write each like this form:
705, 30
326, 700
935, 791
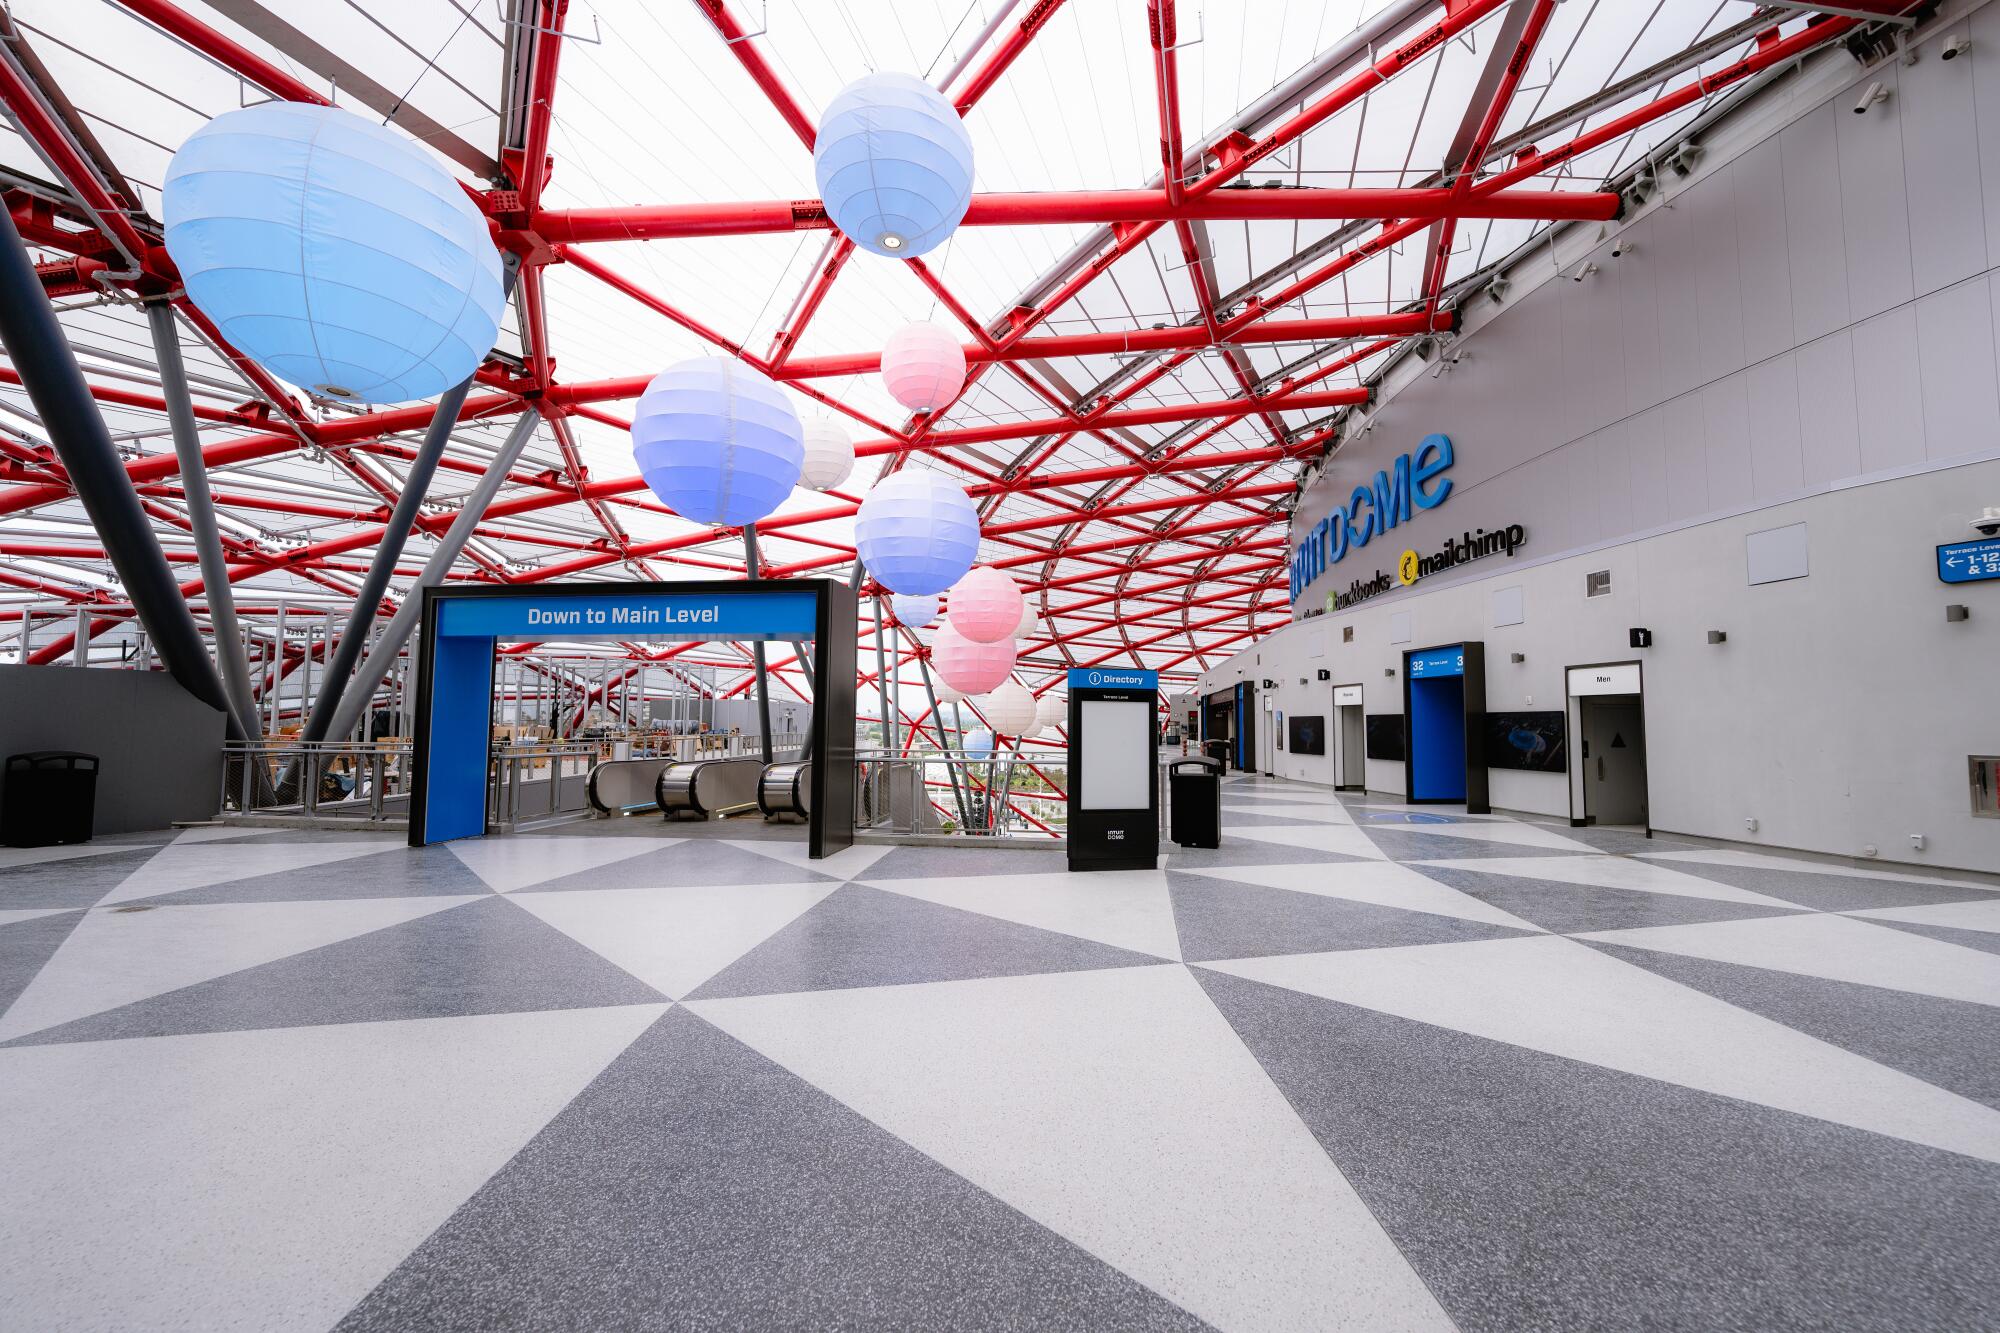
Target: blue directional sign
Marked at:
1438, 662
1969, 562
1104, 678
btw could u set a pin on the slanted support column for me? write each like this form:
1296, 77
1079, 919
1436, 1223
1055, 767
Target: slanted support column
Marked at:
34, 339
757, 649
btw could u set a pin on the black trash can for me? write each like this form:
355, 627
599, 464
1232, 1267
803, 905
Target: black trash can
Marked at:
50, 798
1194, 796
1218, 750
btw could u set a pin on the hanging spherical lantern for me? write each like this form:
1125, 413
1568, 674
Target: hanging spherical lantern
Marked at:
1010, 708
947, 693
972, 666
717, 441
1031, 623
913, 612
333, 252
985, 605
978, 744
1051, 712
916, 532
894, 165
829, 454
923, 367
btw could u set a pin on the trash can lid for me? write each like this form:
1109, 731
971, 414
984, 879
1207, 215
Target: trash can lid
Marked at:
36, 758
1201, 763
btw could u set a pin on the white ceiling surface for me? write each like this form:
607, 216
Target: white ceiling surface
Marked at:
651, 108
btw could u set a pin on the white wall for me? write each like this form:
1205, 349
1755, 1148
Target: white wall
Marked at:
1803, 332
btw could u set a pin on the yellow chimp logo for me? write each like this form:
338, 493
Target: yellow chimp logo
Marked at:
1406, 568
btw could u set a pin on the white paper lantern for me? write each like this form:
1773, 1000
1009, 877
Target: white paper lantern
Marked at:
1010, 708
923, 367
916, 532
717, 441
1031, 622
948, 694
973, 667
914, 612
1051, 712
894, 164
829, 454
985, 605
333, 252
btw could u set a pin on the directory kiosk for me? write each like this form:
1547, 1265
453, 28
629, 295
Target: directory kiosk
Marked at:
1114, 773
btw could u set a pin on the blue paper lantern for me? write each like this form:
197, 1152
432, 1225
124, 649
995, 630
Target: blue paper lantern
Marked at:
717, 441
978, 744
914, 612
916, 532
333, 252
894, 165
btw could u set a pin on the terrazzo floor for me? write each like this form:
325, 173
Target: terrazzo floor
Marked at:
1363, 1067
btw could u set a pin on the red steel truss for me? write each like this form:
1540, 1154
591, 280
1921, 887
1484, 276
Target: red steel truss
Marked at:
1167, 541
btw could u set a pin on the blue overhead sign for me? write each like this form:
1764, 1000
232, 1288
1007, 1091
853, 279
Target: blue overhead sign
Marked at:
1438, 662
1101, 678
1969, 562
718, 615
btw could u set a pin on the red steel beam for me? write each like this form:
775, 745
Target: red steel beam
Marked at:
653, 222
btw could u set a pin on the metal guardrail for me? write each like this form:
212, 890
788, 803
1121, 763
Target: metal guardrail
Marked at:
527, 785
952, 793
343, 782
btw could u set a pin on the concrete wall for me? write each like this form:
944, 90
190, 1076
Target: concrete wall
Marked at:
160, 749
1802, 332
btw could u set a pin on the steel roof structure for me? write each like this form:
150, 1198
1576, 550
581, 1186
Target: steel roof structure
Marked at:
1202, 230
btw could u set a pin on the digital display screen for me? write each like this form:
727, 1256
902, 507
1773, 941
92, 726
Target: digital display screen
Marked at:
1385, 735
1308, 735
1117, 755
1534, 742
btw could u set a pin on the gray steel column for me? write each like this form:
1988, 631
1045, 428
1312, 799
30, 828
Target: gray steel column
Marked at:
277, 694
326, 711
757, 648
34, 339
354, 702
80, 654
944, 739
229, 657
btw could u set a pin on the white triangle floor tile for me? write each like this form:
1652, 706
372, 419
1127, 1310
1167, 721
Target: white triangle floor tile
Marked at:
1720, 856
1556, 995
1341, 838
847, 863
114, 958
1495, 830
265, 1179
1128, 909
1611, 872
1118, 1109
507, 862
673, 939
1330, 813
1982, 914
1383, 883
212, 832
11, 857
1837, 948
177, 867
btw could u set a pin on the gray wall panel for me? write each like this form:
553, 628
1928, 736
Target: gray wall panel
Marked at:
1718, 278
1941, 170
1874, 206
1888, 391
1829, 434
1777, 464
1955, 341
1763, 268
1816, 256
1725, 415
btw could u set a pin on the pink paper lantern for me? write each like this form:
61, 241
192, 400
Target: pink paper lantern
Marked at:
923, 367
969, 666
985, 605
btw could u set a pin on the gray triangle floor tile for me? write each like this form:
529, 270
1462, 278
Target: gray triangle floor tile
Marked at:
1531, 1191
951, 862
26, 945
78, 882
1985, 941
697, 1184
401, 872
858, 936
1625, 842
1567, 908
696, 862
1219, 919
1401, 843
1949, 1043
484, 957
1246, 852
1832, 892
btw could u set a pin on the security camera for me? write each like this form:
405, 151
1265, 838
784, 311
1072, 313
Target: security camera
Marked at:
1955, 46
1583, 272
1622, 248
1988, 523
1497, 290
1875, 92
